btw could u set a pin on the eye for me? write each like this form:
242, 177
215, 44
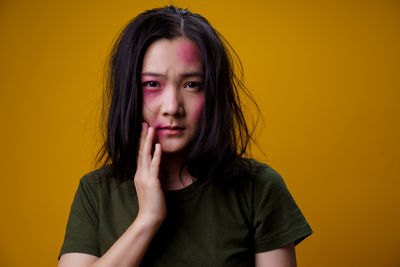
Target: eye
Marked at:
151, 84
194, 86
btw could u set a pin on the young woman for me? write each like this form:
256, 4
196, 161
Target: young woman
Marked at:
175, 188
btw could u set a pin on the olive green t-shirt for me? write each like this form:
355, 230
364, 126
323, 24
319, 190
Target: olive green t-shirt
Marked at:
206, 225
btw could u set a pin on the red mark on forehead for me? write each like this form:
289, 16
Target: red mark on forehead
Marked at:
188, 52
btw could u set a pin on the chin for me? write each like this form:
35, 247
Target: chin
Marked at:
172, 148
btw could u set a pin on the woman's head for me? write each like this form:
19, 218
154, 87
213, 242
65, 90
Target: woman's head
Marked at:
215, 141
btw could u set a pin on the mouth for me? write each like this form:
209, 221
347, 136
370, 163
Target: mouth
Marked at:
170, 130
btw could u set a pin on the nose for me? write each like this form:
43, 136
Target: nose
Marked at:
172, 102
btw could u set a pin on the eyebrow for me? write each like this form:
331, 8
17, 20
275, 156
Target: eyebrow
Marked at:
184, 75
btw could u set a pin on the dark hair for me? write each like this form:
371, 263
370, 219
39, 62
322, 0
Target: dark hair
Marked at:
223, 136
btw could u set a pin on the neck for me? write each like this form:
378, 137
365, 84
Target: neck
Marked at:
173, 178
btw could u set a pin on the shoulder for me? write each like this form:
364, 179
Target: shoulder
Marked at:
91, 184
102, 177
98, 176
104, 186
99, 184
265, 186
262, 174
257, 183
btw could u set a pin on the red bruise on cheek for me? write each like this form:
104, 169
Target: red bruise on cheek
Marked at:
149, 96
198, 108
188, 52
150, 93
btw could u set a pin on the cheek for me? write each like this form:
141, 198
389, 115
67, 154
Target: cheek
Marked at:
149, 109
149, 97
198, 107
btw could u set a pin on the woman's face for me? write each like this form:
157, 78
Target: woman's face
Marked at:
173, 95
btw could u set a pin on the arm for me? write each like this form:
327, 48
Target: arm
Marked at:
281, 257
127, 251
130, 248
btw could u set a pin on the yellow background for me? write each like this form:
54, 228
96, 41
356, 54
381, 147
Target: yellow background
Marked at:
324, 73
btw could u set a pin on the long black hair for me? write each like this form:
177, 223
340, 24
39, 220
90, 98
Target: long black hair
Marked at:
223, 136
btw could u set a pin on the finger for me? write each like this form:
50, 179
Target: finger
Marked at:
155, 162
146, 152
143, 135
142, 139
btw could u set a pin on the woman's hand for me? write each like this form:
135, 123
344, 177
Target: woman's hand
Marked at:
152, 206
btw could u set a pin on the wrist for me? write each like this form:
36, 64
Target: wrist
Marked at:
149, 222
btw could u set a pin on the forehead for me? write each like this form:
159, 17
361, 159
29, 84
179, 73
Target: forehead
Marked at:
165, 54
188, 51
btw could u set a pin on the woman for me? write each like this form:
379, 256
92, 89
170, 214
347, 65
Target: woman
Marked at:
194, 199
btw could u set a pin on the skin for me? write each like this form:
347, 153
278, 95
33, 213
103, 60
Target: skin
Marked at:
173, 101
188, 52
281, 257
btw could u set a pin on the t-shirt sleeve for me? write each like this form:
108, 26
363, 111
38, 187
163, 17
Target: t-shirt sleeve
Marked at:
277, 219
82, 228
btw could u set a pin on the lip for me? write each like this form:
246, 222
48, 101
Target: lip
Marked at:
169, 130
